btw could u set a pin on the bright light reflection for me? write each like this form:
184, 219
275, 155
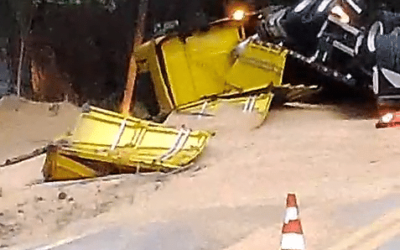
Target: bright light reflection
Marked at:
238, 15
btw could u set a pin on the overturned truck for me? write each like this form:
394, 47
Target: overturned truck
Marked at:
194, 74
341, 40
239, 61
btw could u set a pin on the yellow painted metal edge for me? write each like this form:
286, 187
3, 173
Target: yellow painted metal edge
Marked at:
133, 157
60, 167
257, 66
91, 125
66, 161
262, 103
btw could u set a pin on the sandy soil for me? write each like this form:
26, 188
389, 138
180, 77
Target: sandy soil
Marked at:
27, 125
344, 171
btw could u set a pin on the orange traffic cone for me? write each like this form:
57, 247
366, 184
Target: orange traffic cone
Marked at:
292, 232
292, 210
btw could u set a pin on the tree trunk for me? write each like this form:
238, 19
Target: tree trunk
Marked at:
20, 63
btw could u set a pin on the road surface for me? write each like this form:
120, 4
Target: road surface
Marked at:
344, 172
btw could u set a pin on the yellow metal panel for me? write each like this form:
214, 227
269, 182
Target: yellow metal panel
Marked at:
151, 149
150, 158
258, 103
202, 65
147, 60
59, 167
210, 58
179, 72
197, 67
105, 128
257, 67
124, 143
160, 86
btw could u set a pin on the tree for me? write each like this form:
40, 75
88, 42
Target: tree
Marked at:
22, 10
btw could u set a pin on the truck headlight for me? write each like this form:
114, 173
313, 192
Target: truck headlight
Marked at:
238, 15
339, 12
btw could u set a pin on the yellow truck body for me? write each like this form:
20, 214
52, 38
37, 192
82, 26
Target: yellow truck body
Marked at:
194, 74
203, 66
105, 143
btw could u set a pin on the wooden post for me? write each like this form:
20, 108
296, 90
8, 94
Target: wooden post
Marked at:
132, 71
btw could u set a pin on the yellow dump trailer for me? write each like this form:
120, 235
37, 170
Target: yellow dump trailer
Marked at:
216, 64
195, 74
185, 70
106, 143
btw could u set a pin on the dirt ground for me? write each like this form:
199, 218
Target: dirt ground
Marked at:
344, 171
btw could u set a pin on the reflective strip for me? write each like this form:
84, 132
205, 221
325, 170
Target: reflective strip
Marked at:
358, 44
246, 105
343, 48
344, 26
177, 140
242, 46
293, 241
325, 56
389, 97
184, 139
376, 28
278, 23
313, 58
354, 6
323, 5
393, 77
119, 135
203, 109
271, 27
375, 80
271, 21
291, 214
138, 137
180, 141
252, 103
249, 105
322, 29
303, 5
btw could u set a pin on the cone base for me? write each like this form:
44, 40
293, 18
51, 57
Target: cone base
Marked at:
293, 241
